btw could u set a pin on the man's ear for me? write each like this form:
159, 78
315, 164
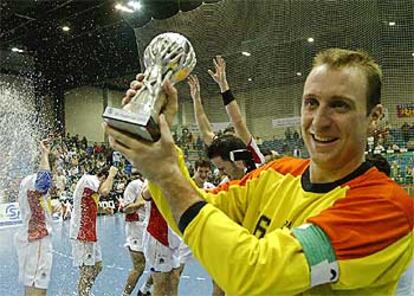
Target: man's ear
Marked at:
375, 117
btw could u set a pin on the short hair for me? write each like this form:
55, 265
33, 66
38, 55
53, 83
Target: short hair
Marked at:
222, 145
380, 163
338, 58
229, 130
202, 163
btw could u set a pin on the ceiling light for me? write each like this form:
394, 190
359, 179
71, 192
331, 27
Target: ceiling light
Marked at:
310, 39
65, 28
135, 5
246, 53
391, 24
15, 49
123, 8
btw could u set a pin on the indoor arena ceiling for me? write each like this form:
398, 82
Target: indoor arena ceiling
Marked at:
99, 45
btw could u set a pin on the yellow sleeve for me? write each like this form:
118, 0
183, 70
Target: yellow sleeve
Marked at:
242, 264
232, 202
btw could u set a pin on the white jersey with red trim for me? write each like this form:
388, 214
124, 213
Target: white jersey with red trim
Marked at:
158, 228
35, 211
134, 222
85, 209
131, 193
258, 157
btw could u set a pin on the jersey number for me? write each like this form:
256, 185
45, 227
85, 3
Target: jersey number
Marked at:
261, 226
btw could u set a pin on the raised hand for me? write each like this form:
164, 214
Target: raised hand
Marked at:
113, 171
220, 75
45, 146
194, 85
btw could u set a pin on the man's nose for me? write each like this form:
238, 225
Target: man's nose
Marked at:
321, 118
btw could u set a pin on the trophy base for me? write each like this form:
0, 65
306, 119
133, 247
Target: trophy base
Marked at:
141, 125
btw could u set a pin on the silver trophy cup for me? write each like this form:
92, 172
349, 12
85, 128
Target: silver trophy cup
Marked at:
168, 56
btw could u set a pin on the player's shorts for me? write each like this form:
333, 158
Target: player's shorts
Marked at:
35, 261
134, 236
85, 253
185, 253
159, 257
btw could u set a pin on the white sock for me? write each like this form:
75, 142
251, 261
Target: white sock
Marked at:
145, 288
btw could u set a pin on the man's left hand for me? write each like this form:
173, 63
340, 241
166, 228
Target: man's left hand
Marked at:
157, 161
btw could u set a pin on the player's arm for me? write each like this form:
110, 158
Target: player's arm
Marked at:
231, 105
200, 115
44, 176
44, 155
134, 206
106, 185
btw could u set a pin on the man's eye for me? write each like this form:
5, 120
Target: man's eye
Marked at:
340, 105
311, 102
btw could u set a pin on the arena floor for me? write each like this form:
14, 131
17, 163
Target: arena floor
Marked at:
194, 281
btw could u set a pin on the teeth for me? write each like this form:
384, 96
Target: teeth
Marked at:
322, 139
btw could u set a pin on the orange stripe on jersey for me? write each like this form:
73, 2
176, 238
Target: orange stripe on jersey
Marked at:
284, 166
290, 165
367, 221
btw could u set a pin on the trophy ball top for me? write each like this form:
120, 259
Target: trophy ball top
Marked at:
171, 51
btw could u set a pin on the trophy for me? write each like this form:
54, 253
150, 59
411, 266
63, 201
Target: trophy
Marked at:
168, 56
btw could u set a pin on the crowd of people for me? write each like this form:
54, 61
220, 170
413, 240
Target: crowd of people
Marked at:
264, 219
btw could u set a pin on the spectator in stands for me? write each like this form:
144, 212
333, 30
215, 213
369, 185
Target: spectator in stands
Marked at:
116, 158
296, 136
84, 143
405, 129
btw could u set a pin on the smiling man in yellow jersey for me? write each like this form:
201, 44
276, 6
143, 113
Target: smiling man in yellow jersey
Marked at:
332, 224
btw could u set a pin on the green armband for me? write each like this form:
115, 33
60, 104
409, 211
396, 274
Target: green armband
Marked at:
319, 254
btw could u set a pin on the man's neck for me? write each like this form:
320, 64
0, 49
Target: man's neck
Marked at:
320, 175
